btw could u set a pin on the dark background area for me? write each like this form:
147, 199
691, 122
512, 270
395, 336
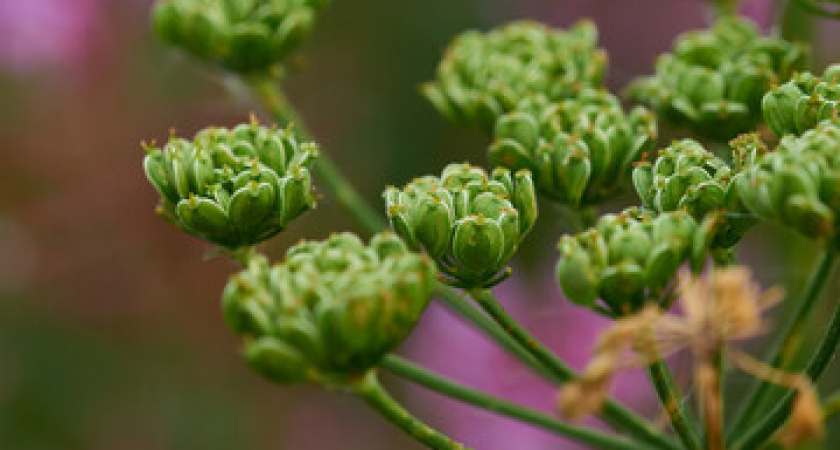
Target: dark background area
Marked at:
110, 332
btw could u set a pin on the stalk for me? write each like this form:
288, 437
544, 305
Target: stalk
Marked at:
369, 389
669, 396
451, 389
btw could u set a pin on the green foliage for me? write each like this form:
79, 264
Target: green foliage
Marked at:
800, 104
233, 187
713, 80
580, 149
241, 35
469, 222
685, 176
798, 184
484, 75
628, 258
331, 310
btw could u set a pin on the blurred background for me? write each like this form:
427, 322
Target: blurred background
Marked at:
110, 332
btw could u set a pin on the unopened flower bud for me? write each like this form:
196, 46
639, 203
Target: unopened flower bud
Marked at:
484, 75
233, 187
331, 310
714, 80
242, 35
469, 222
801, 103
580, 149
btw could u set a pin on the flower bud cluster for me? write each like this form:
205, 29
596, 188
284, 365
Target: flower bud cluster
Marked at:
714, 80
469, 222
627, 258
685, 176
484, 75
331, 310
240, 35
580, 149
804, 101
233, 187
798, 184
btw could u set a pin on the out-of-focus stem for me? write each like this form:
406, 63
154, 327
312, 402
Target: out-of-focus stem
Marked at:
669, 396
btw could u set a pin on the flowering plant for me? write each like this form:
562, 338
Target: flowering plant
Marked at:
333, 312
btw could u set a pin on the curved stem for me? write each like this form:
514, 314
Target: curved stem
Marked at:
423, 377
669, 395
826, 351
783, 349
369, 389
267, 89
615, 414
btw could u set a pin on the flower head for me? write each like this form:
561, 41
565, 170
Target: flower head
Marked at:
800, 104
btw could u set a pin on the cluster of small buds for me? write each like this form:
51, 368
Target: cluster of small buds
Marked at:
469, 222
628, 259
798, 184
714, 80
800, 104
580, 149
240, 35
685, 176
331, 310
233, 187
484, 75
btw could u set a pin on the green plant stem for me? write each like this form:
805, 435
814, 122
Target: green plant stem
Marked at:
615, 414
448, 388
369, 389
831, 407
267, 89
669, 396
782, 350
773, 419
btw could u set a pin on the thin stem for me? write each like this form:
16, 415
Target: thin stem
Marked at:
443, 386
371, 391
268, 91
826, 351
785, 347
669, 395
831, 407
615, 414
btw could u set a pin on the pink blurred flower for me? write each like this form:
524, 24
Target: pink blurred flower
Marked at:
450, 347
39, 33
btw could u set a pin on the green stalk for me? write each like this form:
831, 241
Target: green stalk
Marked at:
669, 396
785, 347
267, 90
448, 388
615, 414
764, 430
369, 389
831, 407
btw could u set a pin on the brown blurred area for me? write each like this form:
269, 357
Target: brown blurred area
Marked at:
110, 332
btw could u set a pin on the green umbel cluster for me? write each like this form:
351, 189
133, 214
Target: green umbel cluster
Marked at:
470, 223
233, 187
798, 184
241, 35
627, 259
484, 75
331, 310
580, 149
685, 176
800, 104
714, 80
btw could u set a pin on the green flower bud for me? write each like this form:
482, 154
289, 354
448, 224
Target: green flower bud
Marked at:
484, 75
685, 176
331, 310
800, 104
714, 80
797, 184
625, 259
241, 35
234, 187
471, 224
580, 149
